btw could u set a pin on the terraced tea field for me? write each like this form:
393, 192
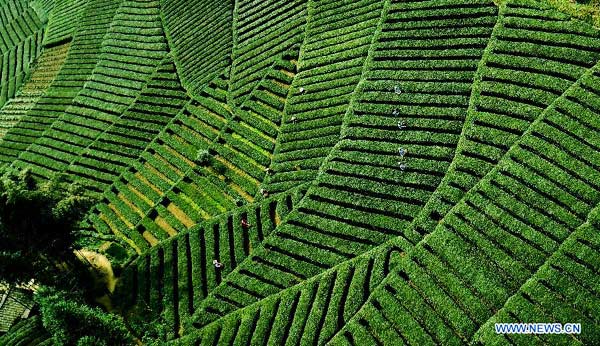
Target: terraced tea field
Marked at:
320, 172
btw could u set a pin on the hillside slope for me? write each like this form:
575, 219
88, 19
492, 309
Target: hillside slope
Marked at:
332, 172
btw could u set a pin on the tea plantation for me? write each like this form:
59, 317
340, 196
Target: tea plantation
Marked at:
319, 172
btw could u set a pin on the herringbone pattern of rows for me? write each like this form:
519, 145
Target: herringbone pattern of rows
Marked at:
320, 172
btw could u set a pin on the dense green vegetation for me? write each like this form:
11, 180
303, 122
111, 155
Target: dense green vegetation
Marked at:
71, 321
38, 228
21, 38
366, 172
199, 55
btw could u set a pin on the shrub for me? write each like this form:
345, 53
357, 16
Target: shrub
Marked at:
71, 322
203, 157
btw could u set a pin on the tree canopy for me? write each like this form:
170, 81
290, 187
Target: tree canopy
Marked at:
38, 226
71, 321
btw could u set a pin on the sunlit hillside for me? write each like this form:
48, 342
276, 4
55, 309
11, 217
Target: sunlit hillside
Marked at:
312, 172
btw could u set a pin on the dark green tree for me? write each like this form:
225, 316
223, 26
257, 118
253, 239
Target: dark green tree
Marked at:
38, 227
72, 322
